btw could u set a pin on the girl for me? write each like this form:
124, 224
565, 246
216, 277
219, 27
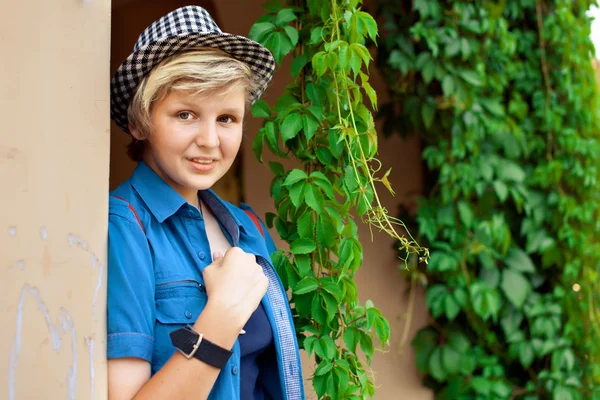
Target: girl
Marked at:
195, 309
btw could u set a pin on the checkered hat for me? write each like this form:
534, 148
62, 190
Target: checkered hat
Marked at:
186, 27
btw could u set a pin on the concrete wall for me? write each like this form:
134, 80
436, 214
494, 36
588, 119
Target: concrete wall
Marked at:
379, 279
54, 151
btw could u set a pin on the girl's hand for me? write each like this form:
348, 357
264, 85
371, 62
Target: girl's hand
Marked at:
235, 285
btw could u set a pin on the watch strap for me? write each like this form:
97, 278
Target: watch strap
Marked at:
191, 344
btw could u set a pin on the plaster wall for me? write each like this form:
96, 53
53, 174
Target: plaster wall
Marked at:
54, 163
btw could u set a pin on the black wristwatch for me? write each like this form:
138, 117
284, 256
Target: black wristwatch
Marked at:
192, 344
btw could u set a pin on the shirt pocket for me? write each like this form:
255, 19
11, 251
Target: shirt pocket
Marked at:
177, 304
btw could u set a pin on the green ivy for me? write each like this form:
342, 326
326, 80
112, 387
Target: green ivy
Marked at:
323, 124
504, 97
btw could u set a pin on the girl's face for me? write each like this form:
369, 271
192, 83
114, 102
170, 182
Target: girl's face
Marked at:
195, 139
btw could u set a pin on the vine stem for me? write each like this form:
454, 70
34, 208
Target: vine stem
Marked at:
409, 312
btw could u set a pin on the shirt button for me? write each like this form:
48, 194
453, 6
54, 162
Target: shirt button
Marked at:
234, 370
191, 213
201, 255
188, 315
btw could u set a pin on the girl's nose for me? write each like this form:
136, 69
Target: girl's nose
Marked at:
207, 135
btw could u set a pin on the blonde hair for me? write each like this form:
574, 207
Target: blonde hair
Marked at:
200, 71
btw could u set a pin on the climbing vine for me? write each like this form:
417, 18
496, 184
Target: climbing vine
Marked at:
323, 124
504, 97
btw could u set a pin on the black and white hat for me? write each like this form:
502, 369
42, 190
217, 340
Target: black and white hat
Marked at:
186, 27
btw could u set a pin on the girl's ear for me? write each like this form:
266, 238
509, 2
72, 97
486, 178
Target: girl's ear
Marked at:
135, 132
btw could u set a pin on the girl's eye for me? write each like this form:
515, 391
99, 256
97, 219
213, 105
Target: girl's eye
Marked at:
226, 119
184, 115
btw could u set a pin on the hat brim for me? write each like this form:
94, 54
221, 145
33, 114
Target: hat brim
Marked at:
131, 72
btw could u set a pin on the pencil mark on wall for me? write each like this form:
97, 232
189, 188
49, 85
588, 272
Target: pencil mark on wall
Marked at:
89, 341
64, 322
12, 230
21, 264
75, 240
44, 233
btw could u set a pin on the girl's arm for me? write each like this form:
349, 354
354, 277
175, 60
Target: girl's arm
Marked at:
180, 378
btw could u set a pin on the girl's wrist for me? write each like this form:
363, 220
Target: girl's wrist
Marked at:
220, 325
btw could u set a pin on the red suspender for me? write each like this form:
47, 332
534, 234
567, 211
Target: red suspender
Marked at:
256, 221
134, 213
252, 216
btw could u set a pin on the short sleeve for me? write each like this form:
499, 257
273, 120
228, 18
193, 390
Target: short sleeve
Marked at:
130, 301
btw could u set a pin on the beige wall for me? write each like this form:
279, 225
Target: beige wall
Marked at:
379, 279
54, 144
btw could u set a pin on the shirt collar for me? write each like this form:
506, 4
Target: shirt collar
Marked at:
223, 214
162, 200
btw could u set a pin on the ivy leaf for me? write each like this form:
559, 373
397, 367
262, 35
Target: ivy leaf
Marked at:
314, 198
450, 359
486, 301
319, 179
279, 43
272, 137
502, 389
260, 30
435, 299
399, 60
292, 34
441, 261
258, 145
306, 285
276, 168
332, 288
294, 176
448, 85
481, 385
493, 106
562, 393
510, 172
331, 305
261, 109
302, 246
306, 225
465, 213
471, 77
326, 234
297, 192
316, 35
501, 190
324, 155
518, 260
351, 338
319, 314
460, 296
436, 367
319, 63
526, 354
298, 64
290, 126
303, 264
515, 286
323, 367
427, 113
310, 125
366, 345
422, 6
451, 308
285, 16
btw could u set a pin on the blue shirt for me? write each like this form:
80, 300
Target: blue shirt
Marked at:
157, 250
